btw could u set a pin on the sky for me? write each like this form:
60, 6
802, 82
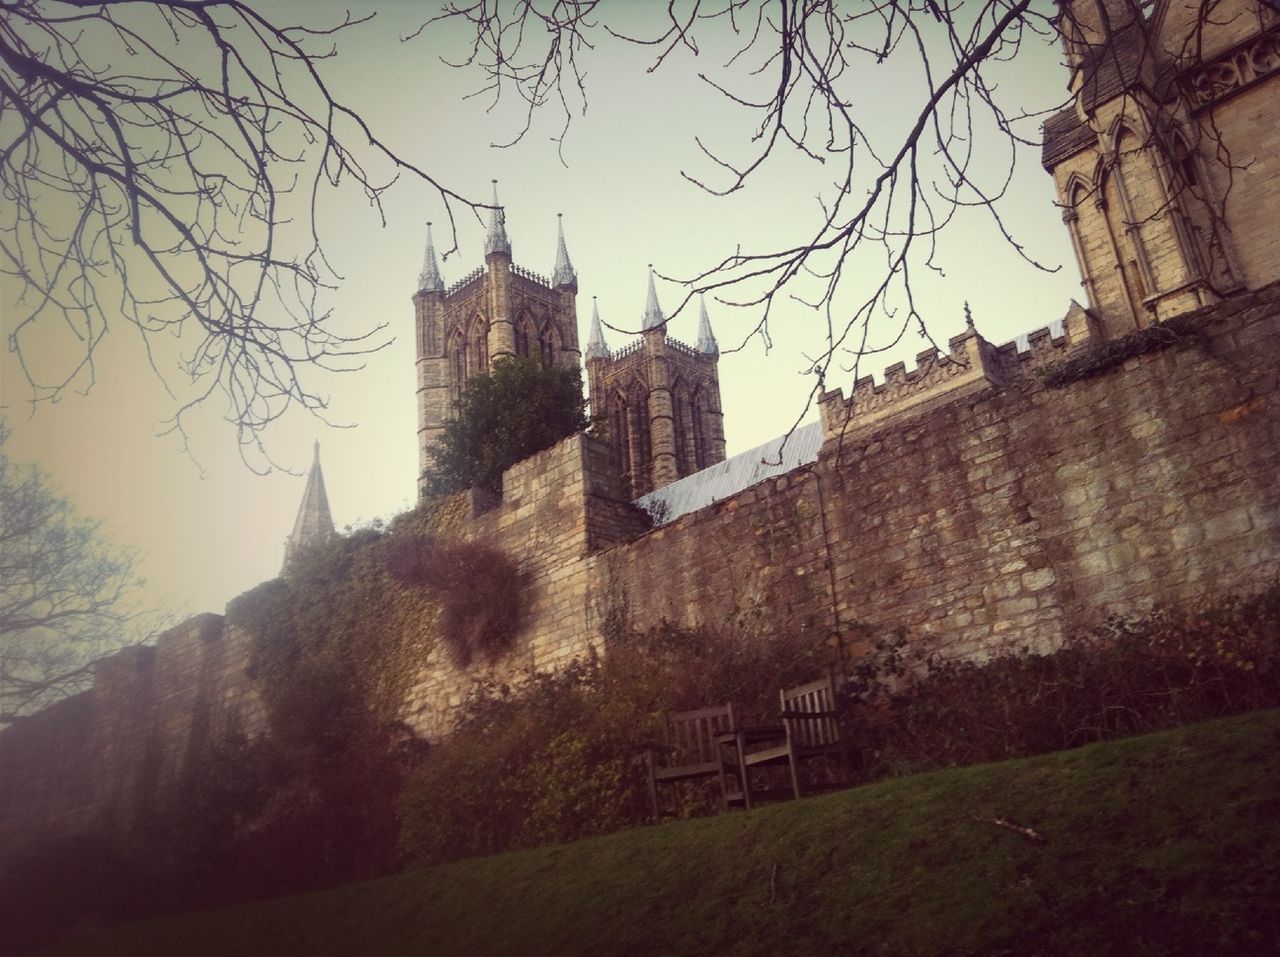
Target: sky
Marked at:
207, 527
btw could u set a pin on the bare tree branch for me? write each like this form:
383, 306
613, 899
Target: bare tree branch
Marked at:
161, 165
67, 596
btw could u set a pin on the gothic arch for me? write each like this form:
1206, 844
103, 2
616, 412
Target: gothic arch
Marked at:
682, 427
620, 433
698, 417
1076, 190
477, 346
549, 344
457, 351
641, 440
526, 334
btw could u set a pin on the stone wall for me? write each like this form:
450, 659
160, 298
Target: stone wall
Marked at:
1018, 513
1011, 512
91, 761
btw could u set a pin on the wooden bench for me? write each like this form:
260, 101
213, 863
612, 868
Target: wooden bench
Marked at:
690, 751
809, 729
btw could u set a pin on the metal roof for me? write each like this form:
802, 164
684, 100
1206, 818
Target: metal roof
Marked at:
734, 474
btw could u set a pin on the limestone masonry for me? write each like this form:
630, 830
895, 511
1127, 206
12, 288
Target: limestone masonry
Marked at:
966, 501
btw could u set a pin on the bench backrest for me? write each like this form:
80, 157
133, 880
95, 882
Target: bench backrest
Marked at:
817, 698
692, 734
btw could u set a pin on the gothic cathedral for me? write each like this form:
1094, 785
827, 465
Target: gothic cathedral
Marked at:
656, 402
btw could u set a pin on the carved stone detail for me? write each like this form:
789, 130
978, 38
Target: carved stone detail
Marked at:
1234, 70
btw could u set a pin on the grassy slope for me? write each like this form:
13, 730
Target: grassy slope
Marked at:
1166, 843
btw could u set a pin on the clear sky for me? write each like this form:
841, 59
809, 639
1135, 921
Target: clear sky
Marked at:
208, 528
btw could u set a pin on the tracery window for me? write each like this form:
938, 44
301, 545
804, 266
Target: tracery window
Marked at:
620, 432
697, 412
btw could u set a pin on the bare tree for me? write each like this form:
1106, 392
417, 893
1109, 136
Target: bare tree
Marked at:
67, 596
802, 71
161, 165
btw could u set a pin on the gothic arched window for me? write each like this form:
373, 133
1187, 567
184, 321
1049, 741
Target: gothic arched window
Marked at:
457, 363
522, 340
477, 347
680, 426
641, 444
620, 433
548, 343
697, 412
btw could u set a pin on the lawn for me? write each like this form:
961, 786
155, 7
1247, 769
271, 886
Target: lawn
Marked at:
1168, 843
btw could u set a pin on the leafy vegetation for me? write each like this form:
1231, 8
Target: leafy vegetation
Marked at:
559, 759
479, 589
1164, 844
520, 407
334, 646
908, 712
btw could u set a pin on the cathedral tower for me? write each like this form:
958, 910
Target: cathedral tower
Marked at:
657, 400
500, 309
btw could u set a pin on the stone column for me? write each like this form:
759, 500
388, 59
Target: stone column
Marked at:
502, 332
433, 374
662, 432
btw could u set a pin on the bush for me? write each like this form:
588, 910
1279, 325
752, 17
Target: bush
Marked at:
1130, 676
520, 407
559, 759
479, 589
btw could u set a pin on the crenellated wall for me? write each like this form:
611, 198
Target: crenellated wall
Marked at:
980, 507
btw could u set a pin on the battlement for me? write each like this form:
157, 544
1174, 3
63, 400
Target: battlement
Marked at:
675, 345
971, 365
530, 275
631, 348
465, 281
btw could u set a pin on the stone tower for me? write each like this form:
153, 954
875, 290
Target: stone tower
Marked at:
1167, 164
498, 310
314, 523
657, 400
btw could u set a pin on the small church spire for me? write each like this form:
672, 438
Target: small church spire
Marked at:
314, 523
429, 280
563, 274
707, 344
653, 317
496, 241
596, 348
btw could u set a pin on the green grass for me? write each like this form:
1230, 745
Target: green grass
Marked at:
1168, 843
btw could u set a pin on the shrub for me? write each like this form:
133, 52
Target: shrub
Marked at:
1129, 676
560, 758
518, 408
479, 589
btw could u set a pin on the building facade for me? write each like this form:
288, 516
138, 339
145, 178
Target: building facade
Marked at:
1167, 162
656, 402
500, 309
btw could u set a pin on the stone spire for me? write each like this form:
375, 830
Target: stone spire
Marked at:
653, 317
496, 240
596, 348
430, 280
706, 338
563, 274
314, 523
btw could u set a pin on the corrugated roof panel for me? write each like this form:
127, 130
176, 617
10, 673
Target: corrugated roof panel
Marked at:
734, 474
